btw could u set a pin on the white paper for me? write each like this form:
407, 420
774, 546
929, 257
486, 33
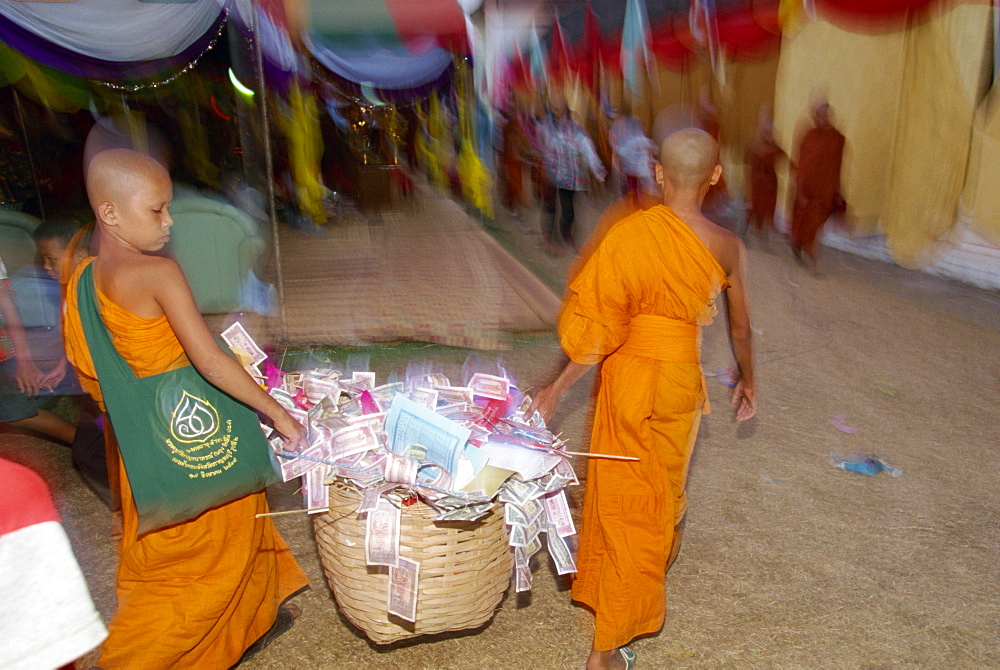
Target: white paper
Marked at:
528, 463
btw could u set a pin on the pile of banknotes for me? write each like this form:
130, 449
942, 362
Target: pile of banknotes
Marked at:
462, 450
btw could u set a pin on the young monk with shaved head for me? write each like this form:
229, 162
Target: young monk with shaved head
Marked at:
197, 594
637, 305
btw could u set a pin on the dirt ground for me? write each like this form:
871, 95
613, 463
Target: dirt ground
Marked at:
788, 562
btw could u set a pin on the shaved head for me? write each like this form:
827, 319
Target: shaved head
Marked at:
113, 175
689, 157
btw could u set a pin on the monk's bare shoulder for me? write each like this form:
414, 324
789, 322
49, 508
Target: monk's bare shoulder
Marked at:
728, 249
161, 274
725, 246
138, 282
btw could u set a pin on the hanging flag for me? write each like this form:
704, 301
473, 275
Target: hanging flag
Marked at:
519, 74
558, 57
635, 43
536, 56
589, 61
705, 30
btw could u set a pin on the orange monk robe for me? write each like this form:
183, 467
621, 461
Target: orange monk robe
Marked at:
817, 180
638, 305
196, 594
761, 159
615, 212
514, 147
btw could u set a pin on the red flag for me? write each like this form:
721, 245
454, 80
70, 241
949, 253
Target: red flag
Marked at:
520, 73
589, 60
558, 57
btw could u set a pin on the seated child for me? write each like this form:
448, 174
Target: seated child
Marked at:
206, 592
38, 303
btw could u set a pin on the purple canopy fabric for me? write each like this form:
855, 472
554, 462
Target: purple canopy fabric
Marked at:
385, 74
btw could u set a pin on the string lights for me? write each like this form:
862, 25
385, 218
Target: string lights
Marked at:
132, 88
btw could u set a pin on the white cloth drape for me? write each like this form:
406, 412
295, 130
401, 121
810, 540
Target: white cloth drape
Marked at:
116, 30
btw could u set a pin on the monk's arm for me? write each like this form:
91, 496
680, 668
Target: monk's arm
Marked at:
740, 331
546, 400
174, 297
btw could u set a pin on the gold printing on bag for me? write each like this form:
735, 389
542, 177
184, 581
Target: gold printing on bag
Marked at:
193, 420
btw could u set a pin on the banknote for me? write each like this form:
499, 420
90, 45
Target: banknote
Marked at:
283, 397
373, 421
518, 491
521, 536
292, 382
352, 440
555, 482
561, 555
351, 408
532, 547
425, 396
315, 492
513, 515
371, 497
453, 409
467, 513
449, 502
557, 513
532, 509
382, 536
489, 386
522, 578
239, 340
329, 406
290, 466
453, 394
564, 469
363, 381
400, 469
404, 580
386, 392
317, 389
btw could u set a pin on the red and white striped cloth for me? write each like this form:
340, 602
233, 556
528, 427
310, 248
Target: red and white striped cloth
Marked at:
47, 619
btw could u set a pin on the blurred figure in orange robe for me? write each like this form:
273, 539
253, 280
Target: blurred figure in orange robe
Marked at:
514, 148
817, 181
637, 306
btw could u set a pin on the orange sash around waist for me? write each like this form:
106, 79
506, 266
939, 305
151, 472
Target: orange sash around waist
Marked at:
664, 339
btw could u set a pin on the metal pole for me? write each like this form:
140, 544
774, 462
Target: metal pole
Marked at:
27, 148
269, 167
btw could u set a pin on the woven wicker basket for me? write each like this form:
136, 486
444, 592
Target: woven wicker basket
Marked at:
464, 568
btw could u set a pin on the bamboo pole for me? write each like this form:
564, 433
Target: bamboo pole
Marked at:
292, 511
27, 148
588, 454
269, 168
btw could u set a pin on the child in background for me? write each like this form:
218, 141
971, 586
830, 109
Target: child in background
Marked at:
38, 306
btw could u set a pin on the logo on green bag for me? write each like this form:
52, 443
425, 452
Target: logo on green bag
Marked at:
193, 419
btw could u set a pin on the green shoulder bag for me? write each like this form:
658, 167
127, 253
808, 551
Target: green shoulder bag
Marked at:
186, 445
